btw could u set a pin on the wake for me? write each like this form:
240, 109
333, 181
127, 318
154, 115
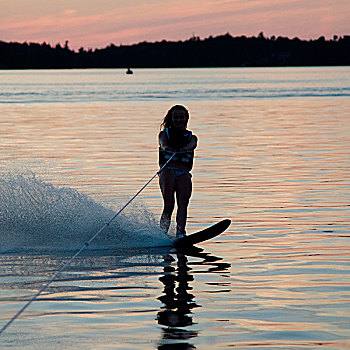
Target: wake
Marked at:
38, 215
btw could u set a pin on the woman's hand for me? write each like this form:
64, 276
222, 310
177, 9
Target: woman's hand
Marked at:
185, 149
163, 142
191, 145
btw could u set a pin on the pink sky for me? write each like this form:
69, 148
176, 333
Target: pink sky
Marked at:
96, 24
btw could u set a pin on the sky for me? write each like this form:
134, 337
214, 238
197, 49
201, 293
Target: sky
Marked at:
98, 23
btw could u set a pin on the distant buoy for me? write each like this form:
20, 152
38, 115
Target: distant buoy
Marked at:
129, 71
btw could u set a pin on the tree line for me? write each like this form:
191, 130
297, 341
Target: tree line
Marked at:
220, 51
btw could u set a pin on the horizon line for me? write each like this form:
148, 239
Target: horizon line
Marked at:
193, 37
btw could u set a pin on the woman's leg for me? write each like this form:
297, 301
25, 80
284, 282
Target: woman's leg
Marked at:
183, 195
167, 187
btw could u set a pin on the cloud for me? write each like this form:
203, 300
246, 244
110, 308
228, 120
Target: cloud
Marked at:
69, 12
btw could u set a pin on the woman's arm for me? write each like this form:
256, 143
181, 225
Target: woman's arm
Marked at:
163, 142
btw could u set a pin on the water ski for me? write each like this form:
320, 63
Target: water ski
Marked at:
203, 235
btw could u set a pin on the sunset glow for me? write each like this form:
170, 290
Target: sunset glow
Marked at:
95, 24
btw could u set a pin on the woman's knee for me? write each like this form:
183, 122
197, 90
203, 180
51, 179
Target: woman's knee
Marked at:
183, 202
169, 207
183, 195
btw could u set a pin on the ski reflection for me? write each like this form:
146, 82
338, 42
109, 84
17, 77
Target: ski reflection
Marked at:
175, 315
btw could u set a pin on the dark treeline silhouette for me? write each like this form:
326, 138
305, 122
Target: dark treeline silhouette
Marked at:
220, 51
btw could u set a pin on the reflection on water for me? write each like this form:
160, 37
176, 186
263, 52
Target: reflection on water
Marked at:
178, 303
176, 315
102, 289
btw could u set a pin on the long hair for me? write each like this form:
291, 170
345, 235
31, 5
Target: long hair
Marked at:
167, 121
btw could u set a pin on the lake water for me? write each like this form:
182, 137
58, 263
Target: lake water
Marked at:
273, 157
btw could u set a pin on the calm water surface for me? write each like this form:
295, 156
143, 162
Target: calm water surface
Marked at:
273, 157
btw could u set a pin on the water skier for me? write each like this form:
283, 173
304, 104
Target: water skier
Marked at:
175, 179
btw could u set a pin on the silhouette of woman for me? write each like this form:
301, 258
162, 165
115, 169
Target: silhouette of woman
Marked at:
176, 177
